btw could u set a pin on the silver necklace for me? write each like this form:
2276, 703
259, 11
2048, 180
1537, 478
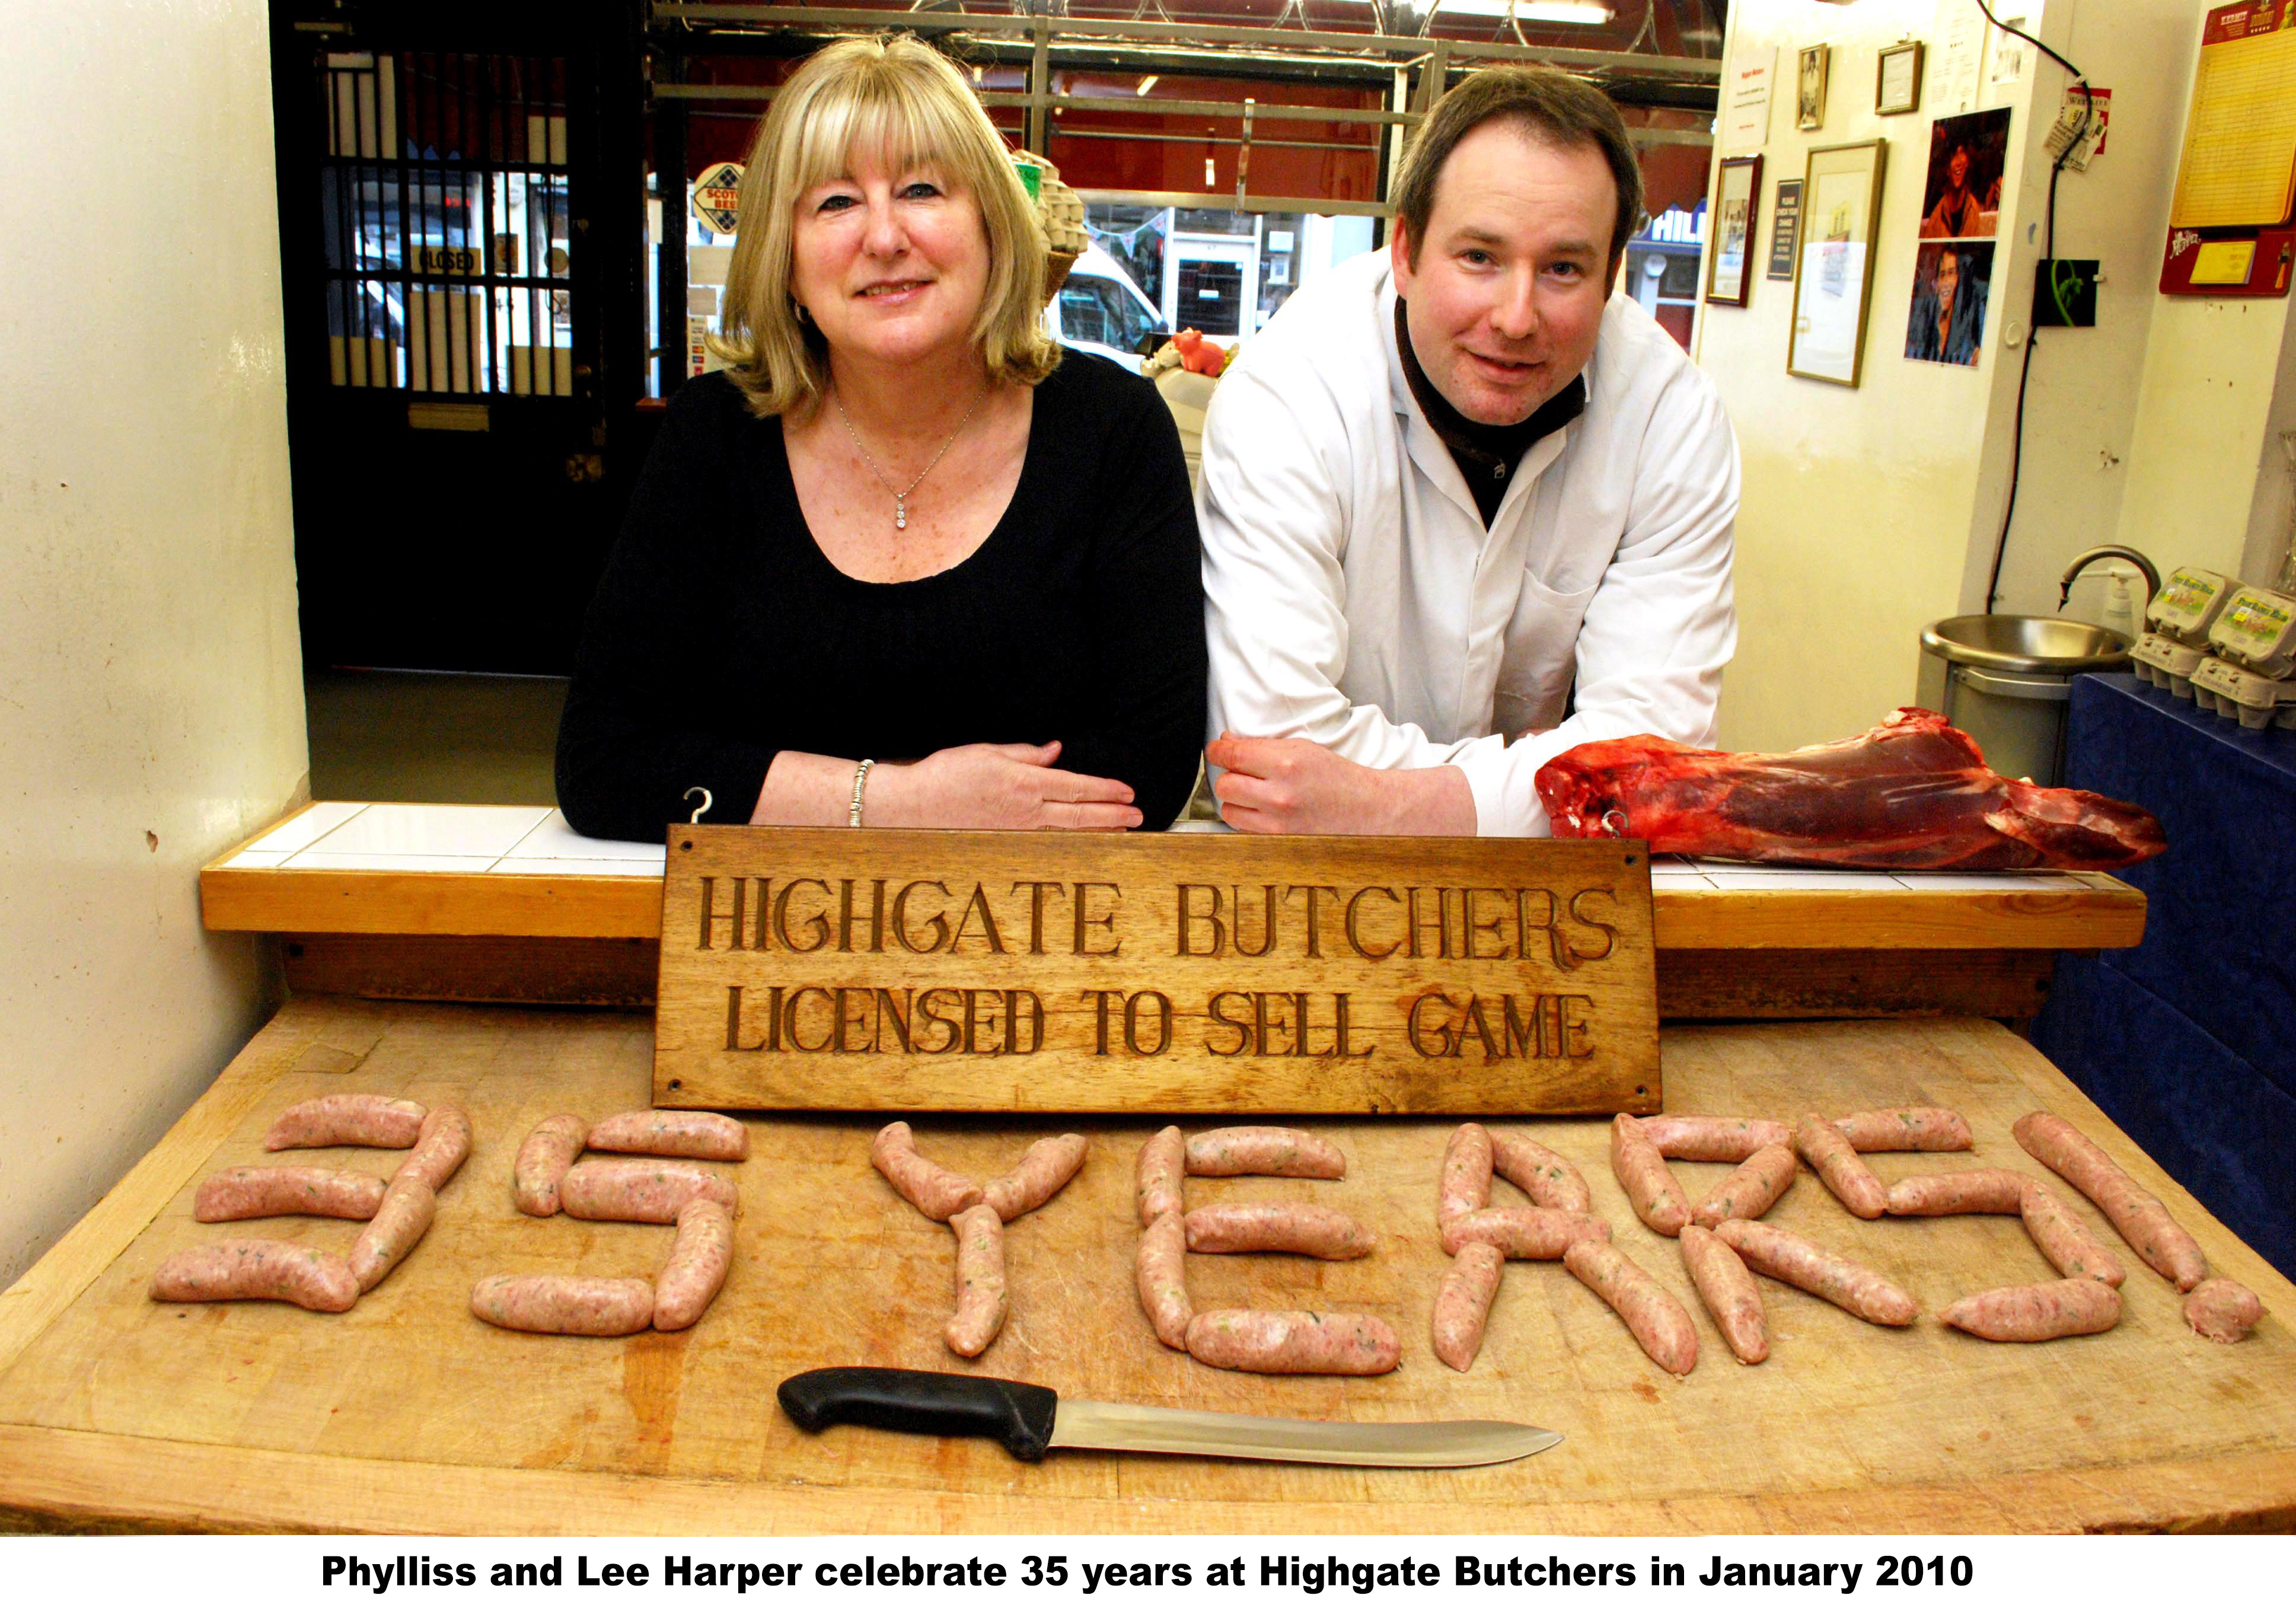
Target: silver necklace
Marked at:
901, 496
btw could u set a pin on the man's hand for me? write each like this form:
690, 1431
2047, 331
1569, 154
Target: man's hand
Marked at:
1289, 785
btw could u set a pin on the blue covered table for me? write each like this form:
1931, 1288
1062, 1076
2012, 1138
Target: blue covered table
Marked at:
2189, 1040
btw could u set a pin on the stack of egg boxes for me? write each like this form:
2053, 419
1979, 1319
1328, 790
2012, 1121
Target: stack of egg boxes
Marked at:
2246, 674
2176, 617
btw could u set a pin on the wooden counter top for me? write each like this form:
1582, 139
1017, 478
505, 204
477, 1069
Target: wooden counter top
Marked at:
520, 880
427, 901
406, 1414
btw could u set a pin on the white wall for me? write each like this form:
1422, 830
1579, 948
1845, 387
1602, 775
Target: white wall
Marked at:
1869, 512
150, 696
2090, 442
2211, 489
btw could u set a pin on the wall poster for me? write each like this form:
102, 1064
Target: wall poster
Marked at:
1962, 198
1961, 214
1952, 281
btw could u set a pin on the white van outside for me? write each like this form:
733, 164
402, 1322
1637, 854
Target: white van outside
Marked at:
1099, 309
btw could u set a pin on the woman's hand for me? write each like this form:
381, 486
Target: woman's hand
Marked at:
998, 785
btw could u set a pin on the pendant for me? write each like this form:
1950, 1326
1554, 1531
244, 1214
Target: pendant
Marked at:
900, 511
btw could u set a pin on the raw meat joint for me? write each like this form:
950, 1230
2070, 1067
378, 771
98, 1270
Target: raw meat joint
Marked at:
1912, 795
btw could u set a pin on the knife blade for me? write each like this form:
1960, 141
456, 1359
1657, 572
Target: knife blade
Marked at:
1028, 1420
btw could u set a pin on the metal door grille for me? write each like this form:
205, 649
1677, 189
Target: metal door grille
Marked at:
444, 204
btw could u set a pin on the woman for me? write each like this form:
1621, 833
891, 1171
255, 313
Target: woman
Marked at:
900, 564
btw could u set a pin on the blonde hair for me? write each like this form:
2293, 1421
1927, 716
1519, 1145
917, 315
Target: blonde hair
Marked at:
897, 95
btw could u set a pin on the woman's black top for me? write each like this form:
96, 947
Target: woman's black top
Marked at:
722, 635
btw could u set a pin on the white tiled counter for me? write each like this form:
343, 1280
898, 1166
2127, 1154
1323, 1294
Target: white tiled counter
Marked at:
483, 902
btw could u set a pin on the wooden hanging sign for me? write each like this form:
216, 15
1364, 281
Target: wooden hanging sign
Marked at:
814, 968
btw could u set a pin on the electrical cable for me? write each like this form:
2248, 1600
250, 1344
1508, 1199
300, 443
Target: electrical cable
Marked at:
2049, 255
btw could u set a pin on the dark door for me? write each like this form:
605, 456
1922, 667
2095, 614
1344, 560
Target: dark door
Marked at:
453, 265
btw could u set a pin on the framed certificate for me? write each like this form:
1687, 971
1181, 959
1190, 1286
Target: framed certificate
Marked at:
1736, 193
1897, 79
1834, 278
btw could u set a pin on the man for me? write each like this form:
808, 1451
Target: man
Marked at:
1451, 480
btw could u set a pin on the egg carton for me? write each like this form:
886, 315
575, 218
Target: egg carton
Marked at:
2255, 700
2165, 662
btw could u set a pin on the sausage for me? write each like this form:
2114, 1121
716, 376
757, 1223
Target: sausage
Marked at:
1652, 1316
1534, 1234
1539, 1173
1164, 1161
258, 1270
1462, 1306
2141, 1218
1466, 1182
2221, 1310
1906, 1128
445, 1145
2065, 1239
1158, 1267
1713, 1138
1792, 1259
1731, 1295
1277, 1152
1044, 1169
1245, 1225
376, 1120
980, 1300
1751, 1190
696, 1136
1256, 1341
237, 1193
1938, 1195
1645, 1176
563, 1303
690, 1280
2031, 1312
397, 1228
543, 1161
927, 1186
1832, 1157
632, 1190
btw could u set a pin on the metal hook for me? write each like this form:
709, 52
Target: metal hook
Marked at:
695, 818
1615, 823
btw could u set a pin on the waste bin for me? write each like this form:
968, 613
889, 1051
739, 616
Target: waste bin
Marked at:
2007, 677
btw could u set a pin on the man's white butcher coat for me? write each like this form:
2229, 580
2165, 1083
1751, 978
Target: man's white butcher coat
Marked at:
1353, 596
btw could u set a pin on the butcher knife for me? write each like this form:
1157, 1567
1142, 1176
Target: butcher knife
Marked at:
1029, 1419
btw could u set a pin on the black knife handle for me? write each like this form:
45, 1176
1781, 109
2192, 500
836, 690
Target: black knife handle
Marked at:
1019, 1417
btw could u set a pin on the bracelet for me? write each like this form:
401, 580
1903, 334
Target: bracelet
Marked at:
860, 780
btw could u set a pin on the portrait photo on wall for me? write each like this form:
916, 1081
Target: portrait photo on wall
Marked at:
1951, 279
1809, 85
1962, 197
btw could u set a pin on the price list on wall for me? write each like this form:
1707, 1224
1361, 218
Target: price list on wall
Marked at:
2230, 223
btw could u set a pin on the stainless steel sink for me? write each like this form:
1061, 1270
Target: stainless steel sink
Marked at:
2027, 644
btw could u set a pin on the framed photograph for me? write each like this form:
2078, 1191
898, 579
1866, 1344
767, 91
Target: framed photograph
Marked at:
1809, 86
1834, 278
1731, 232
1897, 79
